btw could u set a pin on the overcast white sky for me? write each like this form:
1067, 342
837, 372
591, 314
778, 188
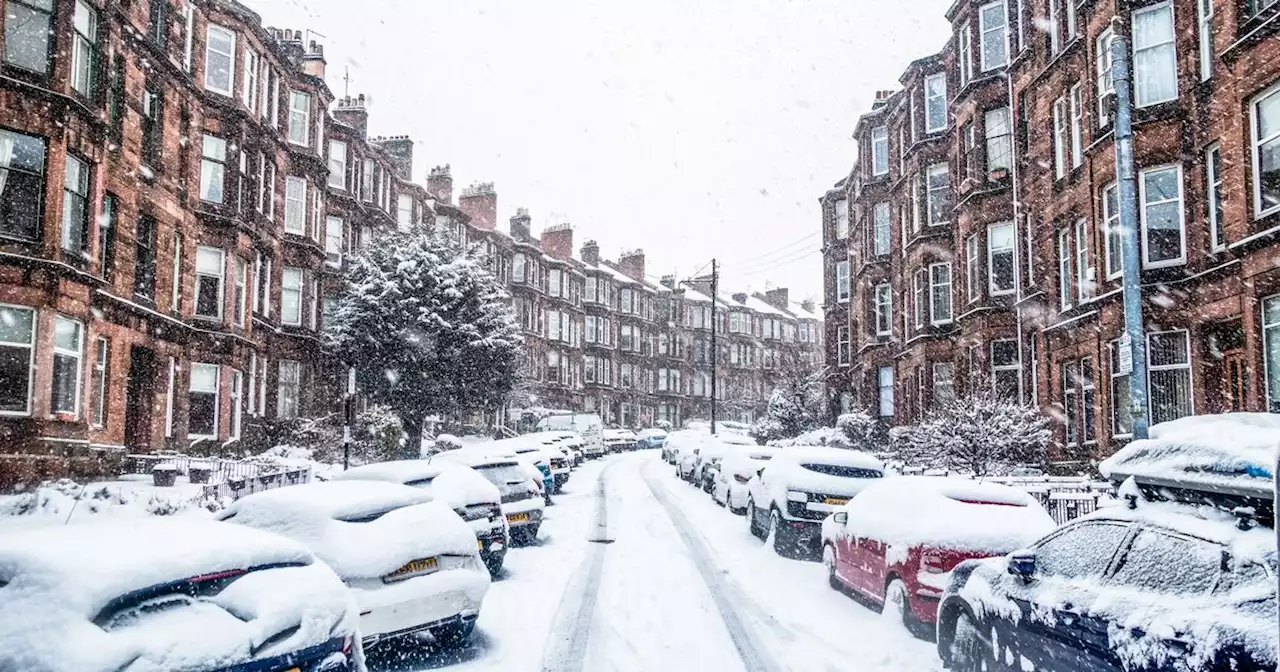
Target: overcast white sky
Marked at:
690, 128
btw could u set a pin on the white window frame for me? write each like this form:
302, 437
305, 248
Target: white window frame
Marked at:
883, 293
242, 291
1065, 292
935, 287
844, 347
30, 347
203, 253
1187, 366
1077, 124
237, 403
935, 102
937, 216
883, 229
995, 140
1060, 140
842, 281
1270, 330
1102, 71
994, 368
1257, 141
300, 118
1002, 37
880, 150
885, 402
295, 205
1111, 232
973, 267
295, 386
992, 290
1204, 29
338, 177
1213, 196
213, 168
333, 244
216, 392
249, 92
404, 212
964, 54
1141, 98
101, 363
1143, 206
1084, 268
231, 69
1055, 27
287, 287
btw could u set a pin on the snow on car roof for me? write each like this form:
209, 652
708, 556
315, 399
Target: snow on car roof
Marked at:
947, 513
84, 566
825, 455
475, 458
653, 431
1230, 452
1206, 522
362, 529
451, 482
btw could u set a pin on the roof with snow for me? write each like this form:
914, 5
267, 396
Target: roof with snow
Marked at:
798, 310
763, 307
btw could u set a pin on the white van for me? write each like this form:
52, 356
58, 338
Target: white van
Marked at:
588, 425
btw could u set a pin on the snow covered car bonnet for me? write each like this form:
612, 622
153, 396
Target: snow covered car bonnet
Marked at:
165, 594
450, 482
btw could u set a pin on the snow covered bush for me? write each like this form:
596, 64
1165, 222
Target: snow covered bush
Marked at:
862, 431
442, 443
981, 434
428, 330
795, 405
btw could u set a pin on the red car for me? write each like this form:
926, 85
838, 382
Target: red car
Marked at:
896, 542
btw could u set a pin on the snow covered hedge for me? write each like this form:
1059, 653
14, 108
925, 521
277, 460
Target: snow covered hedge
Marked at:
980, 434
856, 431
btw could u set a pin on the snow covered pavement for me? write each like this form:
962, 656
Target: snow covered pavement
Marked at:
682, 585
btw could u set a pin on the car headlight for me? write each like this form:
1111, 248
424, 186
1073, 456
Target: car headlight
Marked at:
794, 496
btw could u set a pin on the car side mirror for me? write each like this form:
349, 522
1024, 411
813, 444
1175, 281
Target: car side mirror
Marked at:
841, 518
760, 472
1022, 564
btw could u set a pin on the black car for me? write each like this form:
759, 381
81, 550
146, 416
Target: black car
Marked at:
1157, 587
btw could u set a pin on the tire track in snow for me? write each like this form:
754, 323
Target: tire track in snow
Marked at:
566, 649
754, 657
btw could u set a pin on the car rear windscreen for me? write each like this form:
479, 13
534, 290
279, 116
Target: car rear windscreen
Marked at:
503, 475
842, 471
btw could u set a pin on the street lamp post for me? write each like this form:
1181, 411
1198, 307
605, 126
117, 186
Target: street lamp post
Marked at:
1133, 345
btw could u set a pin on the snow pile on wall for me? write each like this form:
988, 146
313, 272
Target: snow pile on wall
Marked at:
54, 501
822, 436
1228, 450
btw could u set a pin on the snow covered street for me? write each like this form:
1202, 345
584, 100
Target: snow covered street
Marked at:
683, 585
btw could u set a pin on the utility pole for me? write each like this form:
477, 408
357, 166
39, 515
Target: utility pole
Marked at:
1133, 345
348, 416
715, 351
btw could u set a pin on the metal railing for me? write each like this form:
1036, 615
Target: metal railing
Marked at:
227, 479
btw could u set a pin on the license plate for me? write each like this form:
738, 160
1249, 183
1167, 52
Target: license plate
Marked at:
836, 501
413, 568
518, 518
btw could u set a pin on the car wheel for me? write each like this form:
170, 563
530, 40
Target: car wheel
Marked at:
493, 562
752, 523
895, 603
829, 560
455, 635
781, 542
970, 650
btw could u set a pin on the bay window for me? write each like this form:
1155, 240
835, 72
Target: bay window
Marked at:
940, 293
202, 399
219, 59
1204, 29
842, 346
1000, 265
291, 296
1006, 369
1084, 266
1060, 138
75, 206
295, 205
1270, 350
884, 383
68, 351
237, 403
842, 281
242, 291
1064, 269
939, 194
288, 385
1213, 196
964, 62
973, 266
882, 225
28, 27
883, 309
213, 169
1070, 403
1102, 64
84, 49
1265, 117
17, 347
1164, 239
101, 357
1077, 126
1112, 232
22, 166
879, 151
210, 271
1155, 57
993, 24
920, 282
404, 212
935, 102
842, 219
300, 118
337, 164
333, 233
999, 136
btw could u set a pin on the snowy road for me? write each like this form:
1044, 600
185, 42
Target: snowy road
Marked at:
681, 586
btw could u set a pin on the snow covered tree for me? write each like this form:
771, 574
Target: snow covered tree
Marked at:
862, 431
982, 434
428, 329
795, 405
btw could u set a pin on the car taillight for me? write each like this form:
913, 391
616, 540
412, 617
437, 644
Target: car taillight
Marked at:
347, 643
932, 563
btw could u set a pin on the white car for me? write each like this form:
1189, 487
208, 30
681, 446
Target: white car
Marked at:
412, 564
523, 501
800, 487
736, 470
542, 449
170, 594
571, 443
685, 447
469, 494
619, 440
588, 425
706, 463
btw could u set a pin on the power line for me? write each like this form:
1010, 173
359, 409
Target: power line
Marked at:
782, 263
789, 258
780, 251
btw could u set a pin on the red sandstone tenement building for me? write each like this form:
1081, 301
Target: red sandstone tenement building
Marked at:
179, 192
972, 242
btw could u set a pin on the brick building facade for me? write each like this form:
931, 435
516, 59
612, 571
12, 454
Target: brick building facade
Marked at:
974, 242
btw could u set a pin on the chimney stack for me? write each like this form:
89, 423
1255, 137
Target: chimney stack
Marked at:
557, 241
480, 202
808, 305
313, 62
669, 281
400, 149
590, 253
631, 263
520, 226
351, 111
440, 184
779, 298
740, 297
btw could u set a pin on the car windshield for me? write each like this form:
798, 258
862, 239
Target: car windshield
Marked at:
686, 279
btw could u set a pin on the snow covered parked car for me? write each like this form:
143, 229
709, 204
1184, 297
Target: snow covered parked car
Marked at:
1180, 576
588, 425
164, 594
619, 440
540, 449
651, 438
896, 542
469, 494
571, 443
706, 462
522, 494
412, 564
800, 487
736, 470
